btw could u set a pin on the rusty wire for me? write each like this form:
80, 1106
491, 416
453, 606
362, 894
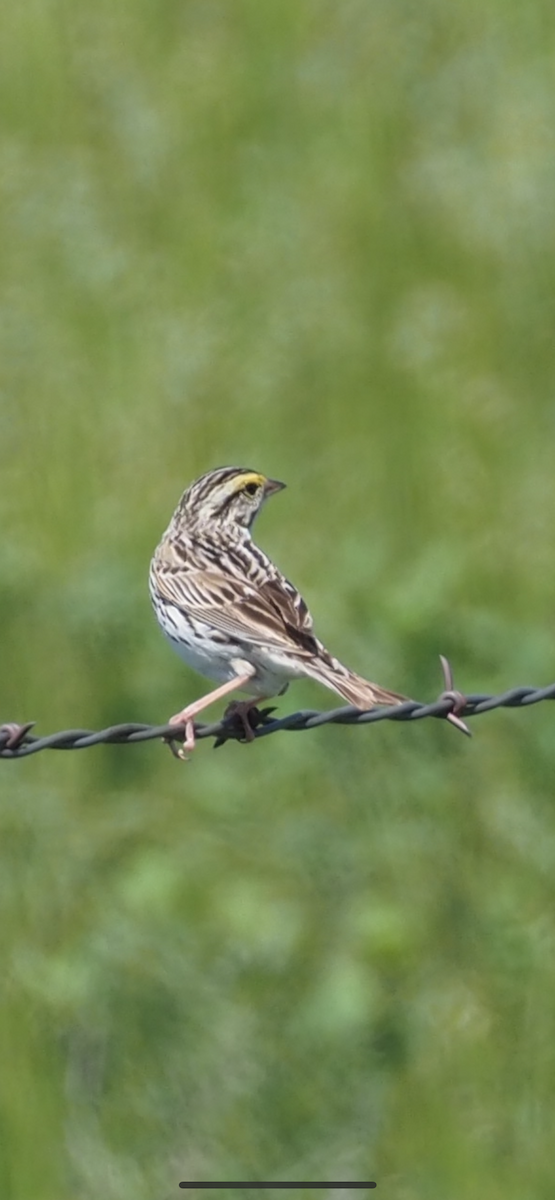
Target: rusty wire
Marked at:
17, 741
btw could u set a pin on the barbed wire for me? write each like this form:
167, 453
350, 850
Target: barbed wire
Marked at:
17, 741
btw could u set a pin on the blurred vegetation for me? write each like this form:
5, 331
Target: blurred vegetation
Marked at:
315, 239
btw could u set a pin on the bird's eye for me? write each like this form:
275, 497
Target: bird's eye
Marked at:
251, 489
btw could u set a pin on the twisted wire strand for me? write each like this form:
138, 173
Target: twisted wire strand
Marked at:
16, 741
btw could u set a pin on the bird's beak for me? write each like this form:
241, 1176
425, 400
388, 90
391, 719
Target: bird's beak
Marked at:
273, 485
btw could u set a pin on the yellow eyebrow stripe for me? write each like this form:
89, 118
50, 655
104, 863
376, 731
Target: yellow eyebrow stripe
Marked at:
249, 477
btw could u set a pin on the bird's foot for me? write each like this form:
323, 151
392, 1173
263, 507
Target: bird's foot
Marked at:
184, 742
244, 717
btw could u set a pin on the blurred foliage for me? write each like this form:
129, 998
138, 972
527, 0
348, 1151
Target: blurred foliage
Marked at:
317, 239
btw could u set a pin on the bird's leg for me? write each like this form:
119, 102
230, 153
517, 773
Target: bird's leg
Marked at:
185, 717
241, 710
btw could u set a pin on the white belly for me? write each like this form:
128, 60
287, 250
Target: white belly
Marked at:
223, 661
203, 660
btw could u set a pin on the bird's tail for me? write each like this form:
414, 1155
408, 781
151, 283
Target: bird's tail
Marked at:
352, 687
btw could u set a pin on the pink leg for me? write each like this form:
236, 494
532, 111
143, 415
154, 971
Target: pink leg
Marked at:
192, 710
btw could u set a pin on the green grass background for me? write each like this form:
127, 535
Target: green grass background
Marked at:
316, 239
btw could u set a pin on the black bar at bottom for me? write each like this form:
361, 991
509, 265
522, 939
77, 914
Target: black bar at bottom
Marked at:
368, 1183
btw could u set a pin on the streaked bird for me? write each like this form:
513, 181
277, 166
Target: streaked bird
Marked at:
230, 613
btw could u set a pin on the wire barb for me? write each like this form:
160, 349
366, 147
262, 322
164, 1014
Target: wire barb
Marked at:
458, 699
16, 740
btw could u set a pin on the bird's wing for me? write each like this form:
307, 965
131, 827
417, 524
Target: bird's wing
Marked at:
272, 614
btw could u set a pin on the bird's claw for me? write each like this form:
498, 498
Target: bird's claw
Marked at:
177, 748
240, 723
182, 743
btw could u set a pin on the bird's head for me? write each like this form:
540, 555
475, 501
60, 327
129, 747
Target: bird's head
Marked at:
230, 497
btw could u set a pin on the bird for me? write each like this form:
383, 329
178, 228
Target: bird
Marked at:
228, 610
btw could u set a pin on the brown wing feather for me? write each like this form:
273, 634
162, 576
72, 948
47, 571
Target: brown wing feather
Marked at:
272, 613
